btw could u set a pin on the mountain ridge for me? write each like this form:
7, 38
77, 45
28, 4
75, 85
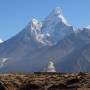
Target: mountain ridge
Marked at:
41, 41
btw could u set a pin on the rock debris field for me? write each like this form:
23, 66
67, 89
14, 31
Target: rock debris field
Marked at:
45, 81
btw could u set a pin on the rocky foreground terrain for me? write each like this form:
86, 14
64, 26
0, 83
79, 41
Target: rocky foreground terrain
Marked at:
45, 81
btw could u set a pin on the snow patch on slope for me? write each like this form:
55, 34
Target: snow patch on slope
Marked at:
1, 41
36, 24
88, 27
3, 61
37, 34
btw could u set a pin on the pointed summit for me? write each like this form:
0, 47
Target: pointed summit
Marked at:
57, 11
57, 16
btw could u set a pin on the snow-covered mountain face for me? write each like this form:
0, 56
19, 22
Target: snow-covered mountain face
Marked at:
1, 41
88, 27
52, 39
52, 29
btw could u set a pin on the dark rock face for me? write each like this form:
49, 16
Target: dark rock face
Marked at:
29, 86
57, 87
2, 87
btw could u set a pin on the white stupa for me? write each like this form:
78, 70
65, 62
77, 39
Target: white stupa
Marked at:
51, 67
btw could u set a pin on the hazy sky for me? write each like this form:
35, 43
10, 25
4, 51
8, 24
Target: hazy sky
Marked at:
15, 14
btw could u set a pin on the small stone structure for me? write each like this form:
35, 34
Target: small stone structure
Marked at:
51, 67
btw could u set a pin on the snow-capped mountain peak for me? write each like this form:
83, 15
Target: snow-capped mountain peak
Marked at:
51, 30
41, 41
57, 16
57, 11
